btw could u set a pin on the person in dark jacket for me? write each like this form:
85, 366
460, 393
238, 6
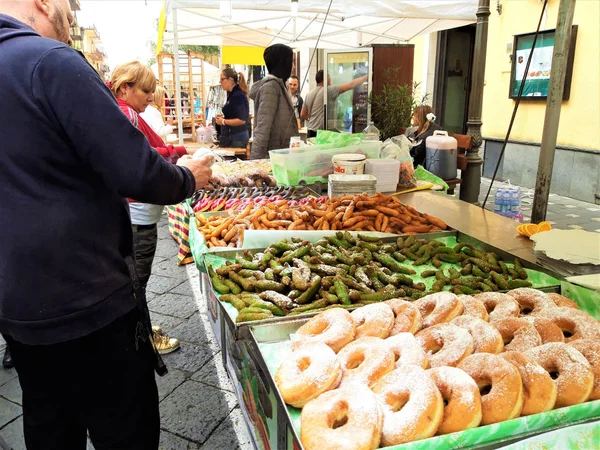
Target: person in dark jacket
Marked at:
424, 120
78, 334
274, 117
236, 111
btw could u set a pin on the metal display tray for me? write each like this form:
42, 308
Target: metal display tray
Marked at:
488, 437
259, 401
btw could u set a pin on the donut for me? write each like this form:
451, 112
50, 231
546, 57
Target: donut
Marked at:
342, 419
518, 334
575, 324
561, 300
461, 396
499, 384
408, 318
445, 344
539, 390
407, 351
499, 306
412, 405
374, 320
473, 307
334, 327
569, 369
438, 308
486, 338
549, 332
365, 360
531, 301
307, 373
591, 351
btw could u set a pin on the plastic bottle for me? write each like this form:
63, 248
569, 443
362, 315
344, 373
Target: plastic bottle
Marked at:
498, 201
371, 133
515, 201
501, 201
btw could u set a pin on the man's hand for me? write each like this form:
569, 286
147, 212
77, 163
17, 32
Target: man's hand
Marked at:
199, 167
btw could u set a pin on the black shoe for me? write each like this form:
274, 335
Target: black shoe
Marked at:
7, 361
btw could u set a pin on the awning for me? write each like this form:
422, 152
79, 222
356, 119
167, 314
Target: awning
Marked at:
349, 23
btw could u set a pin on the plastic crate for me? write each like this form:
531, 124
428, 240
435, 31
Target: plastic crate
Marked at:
306, 165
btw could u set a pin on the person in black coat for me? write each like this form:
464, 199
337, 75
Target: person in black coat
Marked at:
424, 120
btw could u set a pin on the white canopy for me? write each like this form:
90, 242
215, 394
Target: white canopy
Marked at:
349, 23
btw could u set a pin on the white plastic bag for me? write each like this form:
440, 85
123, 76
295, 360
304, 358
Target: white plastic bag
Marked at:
398, 148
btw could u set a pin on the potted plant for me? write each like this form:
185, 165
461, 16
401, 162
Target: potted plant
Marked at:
393, 107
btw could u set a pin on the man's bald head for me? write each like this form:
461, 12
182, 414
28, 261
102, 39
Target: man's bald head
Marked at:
50, 18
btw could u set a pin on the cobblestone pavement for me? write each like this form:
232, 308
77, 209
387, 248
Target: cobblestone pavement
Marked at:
198, 407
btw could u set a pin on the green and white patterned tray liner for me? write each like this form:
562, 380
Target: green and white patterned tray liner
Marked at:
578, 437
539, 279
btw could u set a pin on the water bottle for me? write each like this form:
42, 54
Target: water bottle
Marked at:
515, 201
499, 201
371, 133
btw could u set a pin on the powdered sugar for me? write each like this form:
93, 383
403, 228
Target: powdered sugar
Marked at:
473, 307
407, 350
438, 308
373, 320
454, 344
486, 338
498, 305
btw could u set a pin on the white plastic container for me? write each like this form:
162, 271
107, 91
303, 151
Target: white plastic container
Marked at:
349, 164
441, 154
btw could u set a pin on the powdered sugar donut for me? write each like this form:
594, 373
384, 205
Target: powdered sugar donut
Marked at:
531, 301
561, 300
539, 391
518, 334
499, 384
498, 305
486, 338
374, 320
408, 318
591, 351
473, 307
549, 332
307, 373
333, 327
445, 344
365, 360
412, 405
461, 396
569, 369
342, 419
575, 324
437, 308
407, 351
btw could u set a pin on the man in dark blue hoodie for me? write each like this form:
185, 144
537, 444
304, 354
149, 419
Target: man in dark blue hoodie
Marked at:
68, 157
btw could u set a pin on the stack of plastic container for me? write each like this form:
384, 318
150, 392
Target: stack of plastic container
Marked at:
387, 172
351, 184
507, 202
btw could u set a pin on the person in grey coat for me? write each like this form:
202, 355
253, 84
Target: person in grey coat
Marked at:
275, 119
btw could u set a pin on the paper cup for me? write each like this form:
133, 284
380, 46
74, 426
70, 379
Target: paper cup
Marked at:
296, 142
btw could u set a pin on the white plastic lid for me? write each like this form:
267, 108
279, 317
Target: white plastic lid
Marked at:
348, 157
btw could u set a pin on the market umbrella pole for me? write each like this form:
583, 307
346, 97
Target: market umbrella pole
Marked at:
560, 56
471, 176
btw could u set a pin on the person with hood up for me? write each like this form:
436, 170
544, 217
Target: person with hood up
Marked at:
275, 119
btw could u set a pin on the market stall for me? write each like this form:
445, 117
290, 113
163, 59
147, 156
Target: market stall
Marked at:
254, 323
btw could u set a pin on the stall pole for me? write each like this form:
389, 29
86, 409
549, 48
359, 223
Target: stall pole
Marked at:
177, 78
562, 42
471, 176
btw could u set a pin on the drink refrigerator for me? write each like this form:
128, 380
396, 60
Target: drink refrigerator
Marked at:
350, 112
